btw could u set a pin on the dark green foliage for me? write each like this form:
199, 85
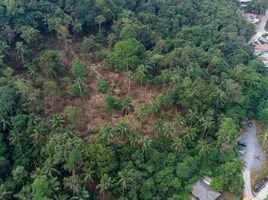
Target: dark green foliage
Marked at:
194, 50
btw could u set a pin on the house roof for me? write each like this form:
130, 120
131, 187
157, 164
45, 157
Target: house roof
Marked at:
261, 48
203, 191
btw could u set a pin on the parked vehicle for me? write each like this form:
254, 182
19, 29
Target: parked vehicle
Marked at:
243, 144
257, 188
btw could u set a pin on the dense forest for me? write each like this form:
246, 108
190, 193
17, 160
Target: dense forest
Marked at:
124, 99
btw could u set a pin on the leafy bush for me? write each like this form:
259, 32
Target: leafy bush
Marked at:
50, 87
51, 64
79, 89
103, 86
112, 102
73, 114
124, 105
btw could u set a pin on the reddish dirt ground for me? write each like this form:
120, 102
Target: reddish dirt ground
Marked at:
93, 106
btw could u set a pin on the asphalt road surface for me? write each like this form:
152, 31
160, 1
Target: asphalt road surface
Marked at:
253, 157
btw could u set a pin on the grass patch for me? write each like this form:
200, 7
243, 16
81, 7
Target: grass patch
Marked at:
228, 196
257, 176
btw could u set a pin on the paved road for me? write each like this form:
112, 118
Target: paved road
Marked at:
253, 158
260, 28
253, 155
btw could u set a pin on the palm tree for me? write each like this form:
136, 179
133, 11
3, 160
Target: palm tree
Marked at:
178, 144
99, 20
202, 147
63, 34
107, 133
158, 127
140, 74
125, 178
145, 143
38, 136
168, 130
49, 170
207, 123
105, 184
189, 134
5, 123
165, 76
77, 27
88, 175
141, 113
57, 121
191, 116
179, 121
127, 107
20, 51
16, 139
134, 138
122, 128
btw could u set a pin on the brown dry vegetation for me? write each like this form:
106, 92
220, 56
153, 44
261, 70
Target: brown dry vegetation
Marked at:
93, 111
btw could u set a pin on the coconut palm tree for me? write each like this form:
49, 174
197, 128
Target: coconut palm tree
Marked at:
158, 127
38, 137
202, 147
105, 184
165, 77
145, 143
178, 144
168, 130
99, 20
140, 74
189, 134
5, 123
127, 106
77, 27
125, 178
206, 123
20, 51
122, 129
141, 113
107, 134
88, 175
57, 121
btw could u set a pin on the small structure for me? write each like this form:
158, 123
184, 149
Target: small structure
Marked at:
260, 49
244, 3
202, 190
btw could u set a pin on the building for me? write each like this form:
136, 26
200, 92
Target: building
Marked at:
244, 3
202, 190
260, 49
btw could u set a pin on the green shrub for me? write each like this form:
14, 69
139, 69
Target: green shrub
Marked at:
103, 86
51, 64
73, 114
112, 102
79, 89
50, 87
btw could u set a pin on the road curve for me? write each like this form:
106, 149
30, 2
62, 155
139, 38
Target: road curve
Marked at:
260, 28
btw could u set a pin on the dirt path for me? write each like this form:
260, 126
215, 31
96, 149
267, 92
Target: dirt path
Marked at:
260, 28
